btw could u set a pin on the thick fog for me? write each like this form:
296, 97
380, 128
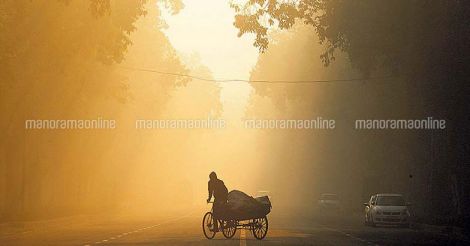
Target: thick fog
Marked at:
112, 60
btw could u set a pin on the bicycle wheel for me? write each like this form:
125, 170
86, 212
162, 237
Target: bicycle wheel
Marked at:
208, 225
229, 228
260, 227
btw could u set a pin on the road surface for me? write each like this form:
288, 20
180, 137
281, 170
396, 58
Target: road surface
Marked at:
185, 229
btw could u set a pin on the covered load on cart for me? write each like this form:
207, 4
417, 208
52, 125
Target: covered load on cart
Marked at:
241, 206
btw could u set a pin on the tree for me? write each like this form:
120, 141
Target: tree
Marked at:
390, 34
58, 61
426, 43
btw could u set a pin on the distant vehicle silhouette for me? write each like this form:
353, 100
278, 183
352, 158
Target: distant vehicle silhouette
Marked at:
329, 202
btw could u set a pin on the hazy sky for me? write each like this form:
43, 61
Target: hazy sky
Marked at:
206, 27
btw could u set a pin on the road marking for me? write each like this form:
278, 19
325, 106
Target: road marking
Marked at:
242, 237
349, 235
143, 228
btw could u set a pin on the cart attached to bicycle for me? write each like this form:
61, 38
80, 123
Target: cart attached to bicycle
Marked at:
230, 220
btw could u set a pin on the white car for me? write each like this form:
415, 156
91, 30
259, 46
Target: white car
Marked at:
388, 209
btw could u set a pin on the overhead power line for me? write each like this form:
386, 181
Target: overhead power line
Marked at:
256, 81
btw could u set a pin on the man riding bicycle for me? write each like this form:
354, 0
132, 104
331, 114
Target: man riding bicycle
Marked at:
217, 189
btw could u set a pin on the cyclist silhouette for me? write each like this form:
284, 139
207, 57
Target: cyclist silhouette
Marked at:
217, 189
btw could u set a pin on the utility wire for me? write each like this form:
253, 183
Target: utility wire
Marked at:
256, 81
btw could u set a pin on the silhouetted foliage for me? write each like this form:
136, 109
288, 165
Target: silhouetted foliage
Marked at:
391, 34
425, 43
62, 60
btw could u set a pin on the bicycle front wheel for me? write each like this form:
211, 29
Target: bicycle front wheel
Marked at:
208, 225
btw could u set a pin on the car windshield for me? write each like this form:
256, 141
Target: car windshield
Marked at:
329, 197
390, 201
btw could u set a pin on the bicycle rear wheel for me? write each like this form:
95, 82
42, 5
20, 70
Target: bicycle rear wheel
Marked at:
260, 227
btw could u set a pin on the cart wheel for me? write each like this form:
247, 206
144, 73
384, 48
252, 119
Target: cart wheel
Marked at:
260, 227
208, 225
229, 228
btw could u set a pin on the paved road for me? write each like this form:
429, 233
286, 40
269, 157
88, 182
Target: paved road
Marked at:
186, 230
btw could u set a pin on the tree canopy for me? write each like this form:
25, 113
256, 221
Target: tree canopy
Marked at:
375, 34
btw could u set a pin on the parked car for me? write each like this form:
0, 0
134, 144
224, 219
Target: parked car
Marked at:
329, 203
387, 209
